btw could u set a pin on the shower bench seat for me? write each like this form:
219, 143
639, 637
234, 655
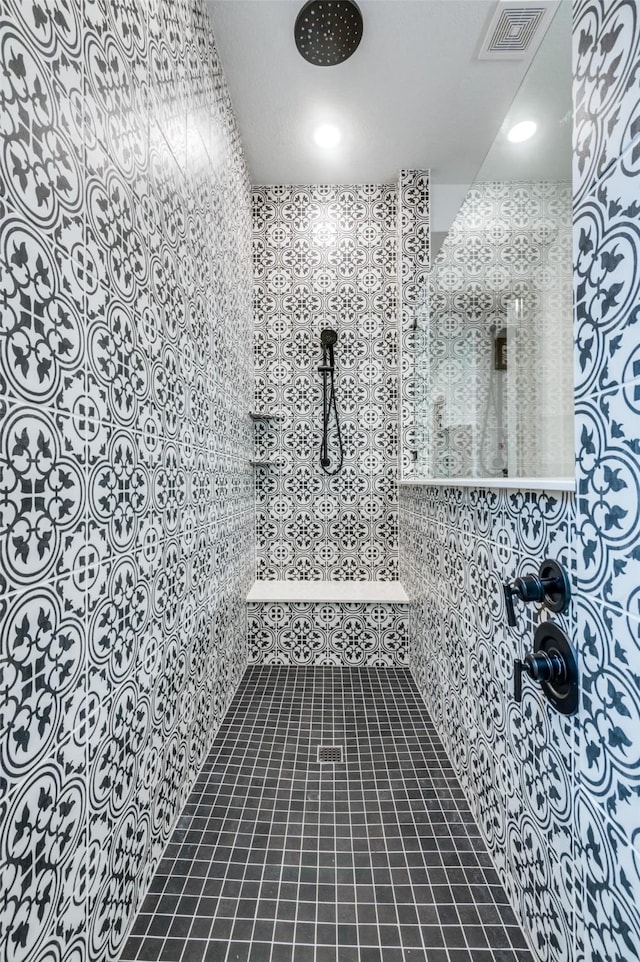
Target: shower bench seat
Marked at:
328, 623
326, 592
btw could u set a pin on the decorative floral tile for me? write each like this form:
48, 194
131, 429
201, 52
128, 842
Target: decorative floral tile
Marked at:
325, 257
607, 285
43, 339
610, 922
44, 821
608, 490
609, 759
606, 51
43, 672
340, 634
43, 459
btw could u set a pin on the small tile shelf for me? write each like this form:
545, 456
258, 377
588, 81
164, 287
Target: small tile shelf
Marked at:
261, 417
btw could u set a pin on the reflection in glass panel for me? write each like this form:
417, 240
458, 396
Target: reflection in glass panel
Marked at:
494, 353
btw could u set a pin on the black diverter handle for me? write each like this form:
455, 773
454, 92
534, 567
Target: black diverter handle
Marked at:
550, 586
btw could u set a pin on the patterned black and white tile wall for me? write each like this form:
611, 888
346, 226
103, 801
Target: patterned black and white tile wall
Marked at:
342, 635
414, 242
516, 762
414, 262
557, 800
607, 377
126, 505
325, 256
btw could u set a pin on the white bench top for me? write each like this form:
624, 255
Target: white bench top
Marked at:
346, 592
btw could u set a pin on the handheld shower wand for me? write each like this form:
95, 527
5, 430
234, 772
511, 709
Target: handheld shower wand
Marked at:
328, 338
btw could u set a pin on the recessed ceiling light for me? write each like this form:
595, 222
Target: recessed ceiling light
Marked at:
522, 131
327, 136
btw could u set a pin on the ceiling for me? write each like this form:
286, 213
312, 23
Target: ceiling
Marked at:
413, 95
544, 96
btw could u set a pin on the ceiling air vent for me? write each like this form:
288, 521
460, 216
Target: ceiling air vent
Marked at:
516, 29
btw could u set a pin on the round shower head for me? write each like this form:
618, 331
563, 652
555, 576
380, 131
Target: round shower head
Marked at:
328, 31
328, 337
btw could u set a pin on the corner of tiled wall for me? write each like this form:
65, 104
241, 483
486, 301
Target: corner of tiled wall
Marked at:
413, 239
126, 496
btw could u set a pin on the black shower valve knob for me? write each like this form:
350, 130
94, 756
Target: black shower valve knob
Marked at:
552, 664
550, 586
526, 589
540, 667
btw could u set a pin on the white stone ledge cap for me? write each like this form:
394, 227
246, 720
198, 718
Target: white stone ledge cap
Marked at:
326, 592
512, 484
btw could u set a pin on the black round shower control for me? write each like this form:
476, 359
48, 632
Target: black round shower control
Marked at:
553, 664
551, 586
557, 588
327, 32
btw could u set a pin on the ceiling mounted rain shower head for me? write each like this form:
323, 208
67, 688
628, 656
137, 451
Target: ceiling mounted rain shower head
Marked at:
327, 32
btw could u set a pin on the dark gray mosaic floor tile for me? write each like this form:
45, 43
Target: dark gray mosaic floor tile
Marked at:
279, 857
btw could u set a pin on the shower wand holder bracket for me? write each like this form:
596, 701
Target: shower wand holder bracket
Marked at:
550, 587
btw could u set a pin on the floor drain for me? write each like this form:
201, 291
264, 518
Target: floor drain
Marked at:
330, 753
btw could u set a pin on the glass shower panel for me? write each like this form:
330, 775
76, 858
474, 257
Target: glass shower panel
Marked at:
494, 360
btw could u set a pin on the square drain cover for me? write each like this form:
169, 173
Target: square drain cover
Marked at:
330, 753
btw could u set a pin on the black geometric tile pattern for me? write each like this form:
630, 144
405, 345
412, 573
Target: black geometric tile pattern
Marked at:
414, 264
606, 97
126, 497
277, 856
414, 240
325, 256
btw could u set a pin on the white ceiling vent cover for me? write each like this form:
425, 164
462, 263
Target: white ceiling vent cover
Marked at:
516, 29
